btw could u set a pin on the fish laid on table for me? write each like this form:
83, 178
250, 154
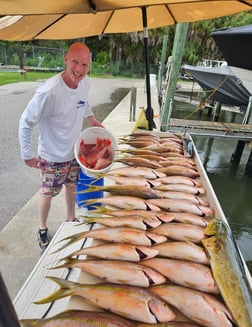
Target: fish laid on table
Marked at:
152, 157
133, 221
178, 162
200, 307
118, 235
169, 324
138, 162
182, 250
140, 136
140, 143
182, 206
179, 195
182, 159
145, 172
140, 181
79, 318
144, 151
228, 270
143, 192
179, 170
181, 232
138, 152
117, 271
182, 217
162, 148
130, 302
181, 188
154, 134
178, 179
175, 139
118, 251
164, 216
124, 202
185, 273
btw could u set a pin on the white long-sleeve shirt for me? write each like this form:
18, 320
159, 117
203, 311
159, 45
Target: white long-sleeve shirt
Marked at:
59, 111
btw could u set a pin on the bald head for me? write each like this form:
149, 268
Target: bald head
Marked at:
78, 47
77, 61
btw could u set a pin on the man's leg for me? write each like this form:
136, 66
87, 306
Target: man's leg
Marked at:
44, 204
70, 185
70, 201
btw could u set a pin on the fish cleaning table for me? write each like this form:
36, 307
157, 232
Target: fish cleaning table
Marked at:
37, 286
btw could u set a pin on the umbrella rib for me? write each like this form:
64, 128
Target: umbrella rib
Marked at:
48, 26
170, 12
245, 2
107, 22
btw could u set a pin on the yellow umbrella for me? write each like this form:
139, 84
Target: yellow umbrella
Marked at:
70, 19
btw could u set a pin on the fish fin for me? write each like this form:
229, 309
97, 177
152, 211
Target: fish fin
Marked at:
66, 288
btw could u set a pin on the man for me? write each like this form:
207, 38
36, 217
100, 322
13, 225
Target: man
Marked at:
58, 107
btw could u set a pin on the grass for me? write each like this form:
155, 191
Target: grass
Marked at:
15, 77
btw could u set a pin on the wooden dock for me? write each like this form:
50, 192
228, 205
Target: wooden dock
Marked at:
212, 129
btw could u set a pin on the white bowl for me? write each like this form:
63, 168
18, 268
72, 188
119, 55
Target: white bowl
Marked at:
90, 135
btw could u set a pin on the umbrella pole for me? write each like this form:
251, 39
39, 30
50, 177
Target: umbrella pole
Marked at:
149, 110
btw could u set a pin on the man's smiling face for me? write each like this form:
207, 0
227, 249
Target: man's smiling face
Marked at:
77, 62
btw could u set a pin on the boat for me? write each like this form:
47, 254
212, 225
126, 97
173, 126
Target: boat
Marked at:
238, 57
220, 84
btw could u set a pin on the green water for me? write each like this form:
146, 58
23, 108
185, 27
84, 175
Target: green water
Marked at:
232, 187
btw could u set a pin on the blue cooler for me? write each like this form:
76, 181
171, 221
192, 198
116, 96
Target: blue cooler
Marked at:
82, 185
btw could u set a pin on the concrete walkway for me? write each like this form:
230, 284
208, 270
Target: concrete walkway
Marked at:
18, 245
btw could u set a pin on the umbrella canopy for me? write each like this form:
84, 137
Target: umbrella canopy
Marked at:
77, 18
70, 19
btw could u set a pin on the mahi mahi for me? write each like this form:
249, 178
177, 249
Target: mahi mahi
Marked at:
228, 271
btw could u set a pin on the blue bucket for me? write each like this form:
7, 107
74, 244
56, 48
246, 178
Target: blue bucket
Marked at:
82, 185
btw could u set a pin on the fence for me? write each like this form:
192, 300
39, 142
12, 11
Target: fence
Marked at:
45, 58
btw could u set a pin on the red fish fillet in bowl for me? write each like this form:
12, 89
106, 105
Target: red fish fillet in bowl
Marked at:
95, 150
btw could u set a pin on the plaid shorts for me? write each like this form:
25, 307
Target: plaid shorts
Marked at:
56, 174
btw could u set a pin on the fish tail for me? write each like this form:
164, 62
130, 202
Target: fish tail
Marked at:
68, 263
73, 254
93, 188
28, 322
90, 220
70, 240
66, 288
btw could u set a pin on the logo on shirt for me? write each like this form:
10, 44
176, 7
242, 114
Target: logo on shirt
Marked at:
80, 104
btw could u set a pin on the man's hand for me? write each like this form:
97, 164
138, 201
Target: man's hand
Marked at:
92, 121
35, 162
